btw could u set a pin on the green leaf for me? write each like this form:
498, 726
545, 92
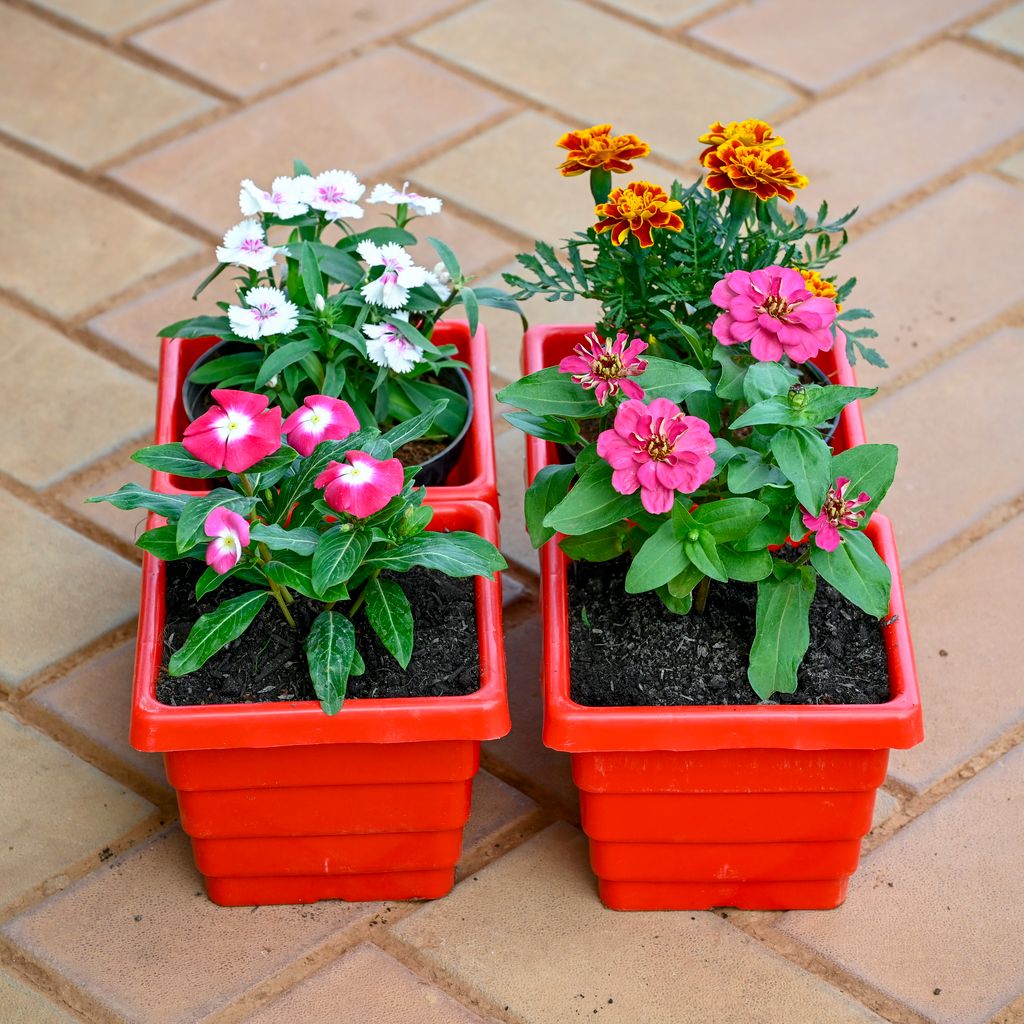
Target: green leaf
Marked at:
769, 410
598, 546
747, 471
857, 571
160, 541
659, 560
198, 327
451, 417
547, 428
193, 515
457, 554
337, 265
330, 652
781, 632
293, 352
730, 383
746, 566
682, 585
284, 456
731, 518
824, 403
416, 426
225, 367
337, 556
379, 236
763, 380
703, 552
448, 258
472, 306
668, 378
173, 458
211, 580
301, 540
131, 496
592, 503
215, 629
868, 467
549, 392
806, 460
389, 613
549, 487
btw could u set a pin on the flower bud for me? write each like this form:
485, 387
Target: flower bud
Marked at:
320, 304
693, 536
797, 396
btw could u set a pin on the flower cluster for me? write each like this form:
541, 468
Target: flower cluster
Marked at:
747, 155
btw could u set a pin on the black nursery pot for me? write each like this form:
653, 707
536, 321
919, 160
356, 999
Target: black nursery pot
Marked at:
197, 399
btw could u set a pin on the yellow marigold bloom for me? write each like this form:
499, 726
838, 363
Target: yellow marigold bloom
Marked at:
817, 285
590, 148
635, 210
753, 169
750, 132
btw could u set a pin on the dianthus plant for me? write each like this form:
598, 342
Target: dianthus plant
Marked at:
653, 258
644, 476
327, 514
333, 311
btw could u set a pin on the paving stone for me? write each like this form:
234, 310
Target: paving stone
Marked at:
247, 46
20, 1004
373, 988
375, 134
54, 227
1005, 30
933, 915
495, 806
140, 935
56, 809
1014, 165
529, 933
810, 50
663, 12
96, 700
510, 450
968, 671
109, 16
70, 591
556, 65
522, 751
969, 99
917, 293
93, 406
127, 525
952, 417
88, 104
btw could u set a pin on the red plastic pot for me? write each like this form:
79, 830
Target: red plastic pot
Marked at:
474, 476
285, 804
757, 807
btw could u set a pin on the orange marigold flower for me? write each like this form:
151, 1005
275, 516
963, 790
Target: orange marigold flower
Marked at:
635, 210
754, 169
590, 148
750, 132
819, 286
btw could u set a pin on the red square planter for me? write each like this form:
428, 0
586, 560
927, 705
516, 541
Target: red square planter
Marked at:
757, 807
474, 476
285, 804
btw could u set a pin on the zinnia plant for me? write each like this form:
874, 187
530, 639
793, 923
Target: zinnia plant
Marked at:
326, 514
691, 503
330, 311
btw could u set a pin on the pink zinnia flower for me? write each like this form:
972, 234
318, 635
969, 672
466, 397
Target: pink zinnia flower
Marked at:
230, 533
237, 433
604, 366
320, 419
775, 312
362, 486
659, 450
835, 513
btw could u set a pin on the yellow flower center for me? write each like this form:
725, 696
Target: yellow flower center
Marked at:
775, 306
659, 447
608, 366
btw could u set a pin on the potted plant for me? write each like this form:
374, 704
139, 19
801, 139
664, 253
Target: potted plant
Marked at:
348, 314
317, 554
726, 652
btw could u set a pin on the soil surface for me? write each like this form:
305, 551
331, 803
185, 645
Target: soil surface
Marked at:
635, 652
267, 662
415, 453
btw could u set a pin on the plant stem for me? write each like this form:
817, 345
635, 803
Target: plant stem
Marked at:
282, 603
700, 595
358, 603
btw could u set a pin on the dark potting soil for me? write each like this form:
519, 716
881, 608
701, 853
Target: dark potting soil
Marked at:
416, 453
635, 652
267, 662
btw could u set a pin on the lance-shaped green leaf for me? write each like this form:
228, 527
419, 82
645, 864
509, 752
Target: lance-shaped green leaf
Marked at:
598, 546
211, 580
857, 571
173, 458
748, 471
703, 552
414, 427
132, 496
868, 467
547, 428
457, 554
337, 556
160, 541
225, 367
451, 417
302, 540
389, 613
592, 503
330, 652
549, 487
472, 306
193, 515
215, 629
309, 267
729, 519
337, 264
549, 392
448, 258
198, 327
293, 352
284, 456
659, 560
804, 457
781, 632
668, 378
823, 403
745, 566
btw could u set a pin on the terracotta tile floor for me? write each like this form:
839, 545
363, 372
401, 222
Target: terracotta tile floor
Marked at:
123, 130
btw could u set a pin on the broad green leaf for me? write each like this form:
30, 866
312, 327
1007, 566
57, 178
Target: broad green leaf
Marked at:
659, 560
763, 380
549, 392
211, 580
547, 428
284, 456
330, 652
451, 417
301, 540
747, 471
592, 503
768, 410
292, 352
730, 383
389, 613
823, 403
549, 487
746, 566
215, 629
415, 427
682, 585
868, 467
160, 542
703, 552
806, 460
173, 458
337, 556
131, 496
781, 633
731, 518
675, 605
668, 378
857, 571
457, 554
217, 370
598, 546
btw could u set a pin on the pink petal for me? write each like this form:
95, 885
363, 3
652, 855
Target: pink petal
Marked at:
222, 558
827, 537
765, 347
657, 499
624, 480
647, 474
631, 389
575, 364
630, 417
243, 401
722, 329
223, 522
614, 450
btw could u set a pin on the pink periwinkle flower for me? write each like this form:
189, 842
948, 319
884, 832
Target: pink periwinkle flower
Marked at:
237, 433
835, 513
659, 450
319, 419
774, 311
230, 533
605, 366
361, 486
